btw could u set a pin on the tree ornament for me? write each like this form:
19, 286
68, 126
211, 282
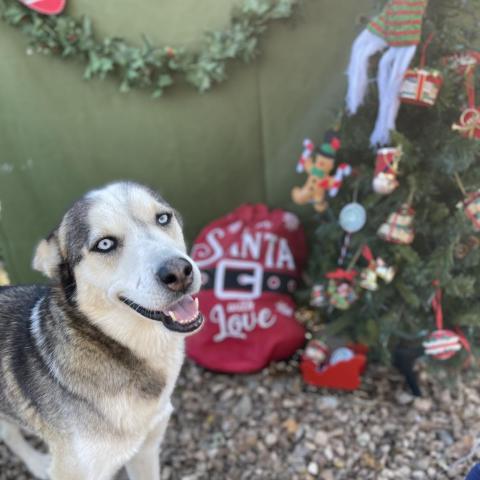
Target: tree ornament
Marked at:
317, 352
376, 269
343, 374
398, 227
472, 209
441, 344
353, 217
318, 164
460, 61
469, 123
462, 249
341, 291
471, 204
386, 170
308, 148
421, 85
318, 296
45, 7
384, 271
342, 354
397, 29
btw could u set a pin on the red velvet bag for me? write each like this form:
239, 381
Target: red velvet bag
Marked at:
251, 261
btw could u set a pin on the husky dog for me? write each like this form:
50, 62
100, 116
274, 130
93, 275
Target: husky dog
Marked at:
89, 362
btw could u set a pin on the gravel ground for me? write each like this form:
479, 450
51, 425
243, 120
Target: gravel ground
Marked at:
272, 426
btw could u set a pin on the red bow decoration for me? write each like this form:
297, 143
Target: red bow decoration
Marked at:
341, 274
469, 123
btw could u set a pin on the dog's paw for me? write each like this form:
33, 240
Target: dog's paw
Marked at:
39, 466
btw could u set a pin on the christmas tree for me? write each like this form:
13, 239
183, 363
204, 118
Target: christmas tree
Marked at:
413, 268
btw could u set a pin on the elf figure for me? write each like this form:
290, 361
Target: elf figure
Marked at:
397, 29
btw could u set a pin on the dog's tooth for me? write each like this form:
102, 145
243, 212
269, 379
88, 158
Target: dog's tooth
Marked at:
196, 303
171, 314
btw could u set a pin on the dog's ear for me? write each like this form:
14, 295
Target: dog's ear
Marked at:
48, 257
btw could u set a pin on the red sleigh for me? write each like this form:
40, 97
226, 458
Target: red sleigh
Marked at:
341, 376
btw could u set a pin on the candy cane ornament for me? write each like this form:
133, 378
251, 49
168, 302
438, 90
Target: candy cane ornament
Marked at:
308, 147
344, 170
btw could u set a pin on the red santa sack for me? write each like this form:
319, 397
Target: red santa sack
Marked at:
251, 261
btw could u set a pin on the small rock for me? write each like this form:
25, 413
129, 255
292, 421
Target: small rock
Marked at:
290, 425
363, 439
327, 403
418, 475
403, 398
300, 451
462, 447
312, 468
423, 404
243, 407
327, 475
445, 437
404, 472
271, 439
321, 438
328, 453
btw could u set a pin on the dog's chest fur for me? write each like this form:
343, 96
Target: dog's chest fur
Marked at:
114, 382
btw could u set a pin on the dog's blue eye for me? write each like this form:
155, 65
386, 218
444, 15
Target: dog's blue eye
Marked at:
106, 244
164, 219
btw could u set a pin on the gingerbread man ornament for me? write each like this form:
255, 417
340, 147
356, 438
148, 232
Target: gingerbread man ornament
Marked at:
318, 164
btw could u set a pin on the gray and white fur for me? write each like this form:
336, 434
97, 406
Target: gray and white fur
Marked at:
89, 362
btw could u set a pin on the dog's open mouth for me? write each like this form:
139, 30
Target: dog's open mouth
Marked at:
183, 316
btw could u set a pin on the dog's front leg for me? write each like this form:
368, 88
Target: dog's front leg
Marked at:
145, 465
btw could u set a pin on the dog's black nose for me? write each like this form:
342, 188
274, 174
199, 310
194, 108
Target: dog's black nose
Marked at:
176, 274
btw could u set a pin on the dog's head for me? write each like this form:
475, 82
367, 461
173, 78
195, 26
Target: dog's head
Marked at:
122, 247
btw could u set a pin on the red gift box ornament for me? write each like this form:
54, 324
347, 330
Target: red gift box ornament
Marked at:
46, 7
386, 170
469, 123
399, 226
421, 85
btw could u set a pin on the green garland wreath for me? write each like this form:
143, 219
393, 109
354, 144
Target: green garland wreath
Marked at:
148, 66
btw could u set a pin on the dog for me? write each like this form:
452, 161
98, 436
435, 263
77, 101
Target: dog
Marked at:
89, 361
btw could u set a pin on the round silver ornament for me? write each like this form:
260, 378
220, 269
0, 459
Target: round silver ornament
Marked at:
353, 217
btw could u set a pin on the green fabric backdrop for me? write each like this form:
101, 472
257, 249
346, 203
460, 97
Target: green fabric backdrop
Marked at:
61, 136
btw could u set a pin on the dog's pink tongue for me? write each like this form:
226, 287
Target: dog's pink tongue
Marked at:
185, 311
